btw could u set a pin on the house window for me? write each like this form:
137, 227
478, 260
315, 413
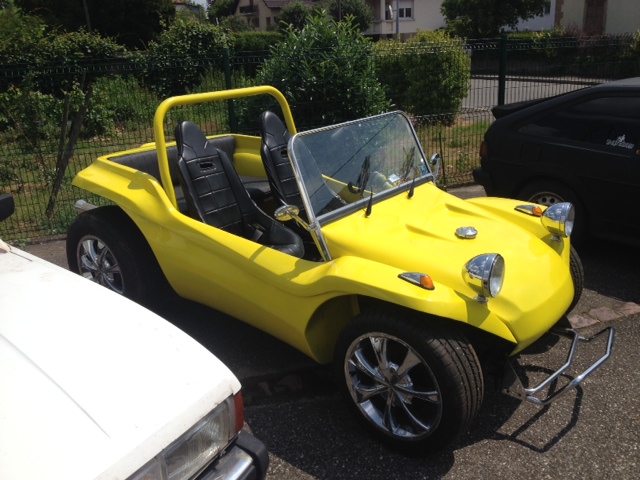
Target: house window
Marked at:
249, 10
405, 10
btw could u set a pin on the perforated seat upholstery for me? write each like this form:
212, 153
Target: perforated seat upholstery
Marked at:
216, 196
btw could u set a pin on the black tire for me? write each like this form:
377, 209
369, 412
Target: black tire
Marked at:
548, 192
105, 246
577, 275
435, 399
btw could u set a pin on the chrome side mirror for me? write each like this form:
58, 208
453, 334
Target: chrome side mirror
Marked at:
290, 212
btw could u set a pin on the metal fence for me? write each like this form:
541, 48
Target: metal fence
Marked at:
56, 121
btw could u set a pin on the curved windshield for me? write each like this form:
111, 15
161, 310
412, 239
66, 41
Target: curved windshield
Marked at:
342, 165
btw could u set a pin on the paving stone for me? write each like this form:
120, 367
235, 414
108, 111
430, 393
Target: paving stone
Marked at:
629, 308
581, 320
605, 314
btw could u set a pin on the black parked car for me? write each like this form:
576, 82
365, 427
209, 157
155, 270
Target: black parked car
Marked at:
582, 147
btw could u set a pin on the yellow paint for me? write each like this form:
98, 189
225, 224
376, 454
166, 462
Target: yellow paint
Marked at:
306, 303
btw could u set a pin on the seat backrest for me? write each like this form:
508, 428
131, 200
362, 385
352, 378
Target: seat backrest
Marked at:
275, 138
205, 180
216, 196
275, 158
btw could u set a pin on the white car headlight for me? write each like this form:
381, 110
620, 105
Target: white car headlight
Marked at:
559, 218
196, 448
485, 274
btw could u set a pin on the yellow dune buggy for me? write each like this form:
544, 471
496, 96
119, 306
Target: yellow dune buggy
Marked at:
338, 242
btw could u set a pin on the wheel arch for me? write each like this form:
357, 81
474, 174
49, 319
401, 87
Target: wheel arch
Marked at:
116, 215
330, 319
126, 222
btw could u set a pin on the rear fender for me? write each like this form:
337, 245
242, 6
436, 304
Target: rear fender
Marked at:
137, 193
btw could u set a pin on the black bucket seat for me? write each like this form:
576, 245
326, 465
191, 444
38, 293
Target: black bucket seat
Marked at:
216, 196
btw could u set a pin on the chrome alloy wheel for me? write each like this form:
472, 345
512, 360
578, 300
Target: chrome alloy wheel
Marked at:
393, 386
98, 263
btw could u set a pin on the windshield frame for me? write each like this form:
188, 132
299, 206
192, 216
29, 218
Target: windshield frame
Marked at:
361, 204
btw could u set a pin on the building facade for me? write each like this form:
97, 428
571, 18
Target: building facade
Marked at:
404, 18
599, 16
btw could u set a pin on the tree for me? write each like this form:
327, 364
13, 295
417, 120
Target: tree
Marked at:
358, 9
325, 72
294, 15
219, 9
19, 36
485, 18
438, 70
235, 23
133, 24
428, 75
176, 61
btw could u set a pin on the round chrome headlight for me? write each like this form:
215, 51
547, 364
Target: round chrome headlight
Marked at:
559, 219
485, 273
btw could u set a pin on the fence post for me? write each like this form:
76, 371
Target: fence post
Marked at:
502, 74
233, 123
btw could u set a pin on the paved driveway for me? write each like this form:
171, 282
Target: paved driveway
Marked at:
591, 433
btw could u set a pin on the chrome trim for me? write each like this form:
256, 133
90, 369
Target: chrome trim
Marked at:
558, 219
415, 278
533, 210
512, 384
313, 226
482, 272
233, 464
318, 239
289, 212
466, 232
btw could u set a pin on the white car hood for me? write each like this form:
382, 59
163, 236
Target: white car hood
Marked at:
92, 385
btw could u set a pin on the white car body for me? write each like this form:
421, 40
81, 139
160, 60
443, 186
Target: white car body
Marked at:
92, 385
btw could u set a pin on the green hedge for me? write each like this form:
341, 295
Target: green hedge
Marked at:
426, 75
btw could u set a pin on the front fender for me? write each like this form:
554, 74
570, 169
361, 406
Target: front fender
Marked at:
362, 277
506, 208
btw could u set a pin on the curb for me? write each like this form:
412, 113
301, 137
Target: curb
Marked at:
602, 315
